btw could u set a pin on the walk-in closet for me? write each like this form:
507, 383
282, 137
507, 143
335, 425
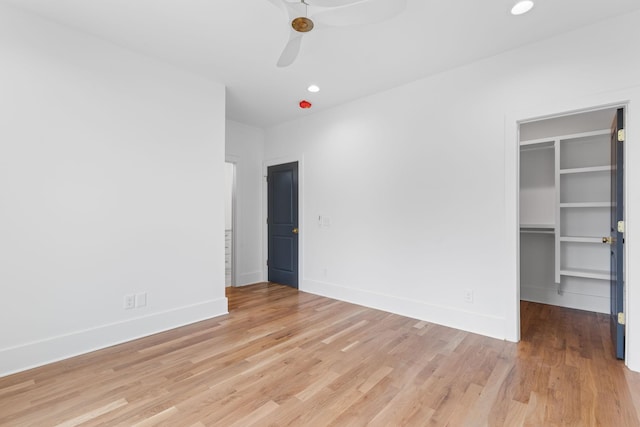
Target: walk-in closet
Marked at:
565, 210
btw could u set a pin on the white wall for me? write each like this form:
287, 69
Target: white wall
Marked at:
420, 195
245, 147
111, 183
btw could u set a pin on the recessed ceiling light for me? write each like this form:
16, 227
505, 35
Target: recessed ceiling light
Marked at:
313, 88
521, 7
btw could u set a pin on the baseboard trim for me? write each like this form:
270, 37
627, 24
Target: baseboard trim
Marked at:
490, 326
39, 353
546, 295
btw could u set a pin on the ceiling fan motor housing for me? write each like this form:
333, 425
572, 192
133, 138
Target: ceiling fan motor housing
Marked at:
302, 24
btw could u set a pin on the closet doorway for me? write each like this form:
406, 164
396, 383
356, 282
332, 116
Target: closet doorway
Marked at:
570, 205
229, 228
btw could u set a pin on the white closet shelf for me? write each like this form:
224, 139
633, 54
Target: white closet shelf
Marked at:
538, 228
537, 145
589, 274
582, 135
581, 239
586, 170
586, 205
540, 142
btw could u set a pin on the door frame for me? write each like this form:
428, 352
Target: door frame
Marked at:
626, 98
265, 209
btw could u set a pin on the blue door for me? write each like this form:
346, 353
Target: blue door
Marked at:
282, 224
616, 239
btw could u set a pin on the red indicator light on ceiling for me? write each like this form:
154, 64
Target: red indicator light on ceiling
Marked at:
305, 104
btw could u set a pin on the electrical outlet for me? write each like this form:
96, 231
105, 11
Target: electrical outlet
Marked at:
468, 295
129, 302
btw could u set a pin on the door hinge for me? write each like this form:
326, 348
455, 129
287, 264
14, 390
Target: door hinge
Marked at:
620, 226
621, 318
267, 220
621, 135
267, 263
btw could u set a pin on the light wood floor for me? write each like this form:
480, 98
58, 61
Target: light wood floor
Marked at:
283, 357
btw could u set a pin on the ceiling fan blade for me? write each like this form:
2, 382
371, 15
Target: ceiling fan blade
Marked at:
331, 3
291, 50
277, 3
364, 12
293, 10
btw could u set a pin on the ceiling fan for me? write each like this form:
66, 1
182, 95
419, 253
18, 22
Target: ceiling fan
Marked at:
308, 15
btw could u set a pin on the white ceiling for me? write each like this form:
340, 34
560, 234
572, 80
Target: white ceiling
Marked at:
237, 42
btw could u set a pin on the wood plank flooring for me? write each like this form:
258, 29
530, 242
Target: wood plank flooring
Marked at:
288, 358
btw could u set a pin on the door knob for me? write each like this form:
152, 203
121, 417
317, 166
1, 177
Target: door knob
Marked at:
608, 240
295, 230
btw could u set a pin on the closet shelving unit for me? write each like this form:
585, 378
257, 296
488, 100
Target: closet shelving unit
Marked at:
573, 208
